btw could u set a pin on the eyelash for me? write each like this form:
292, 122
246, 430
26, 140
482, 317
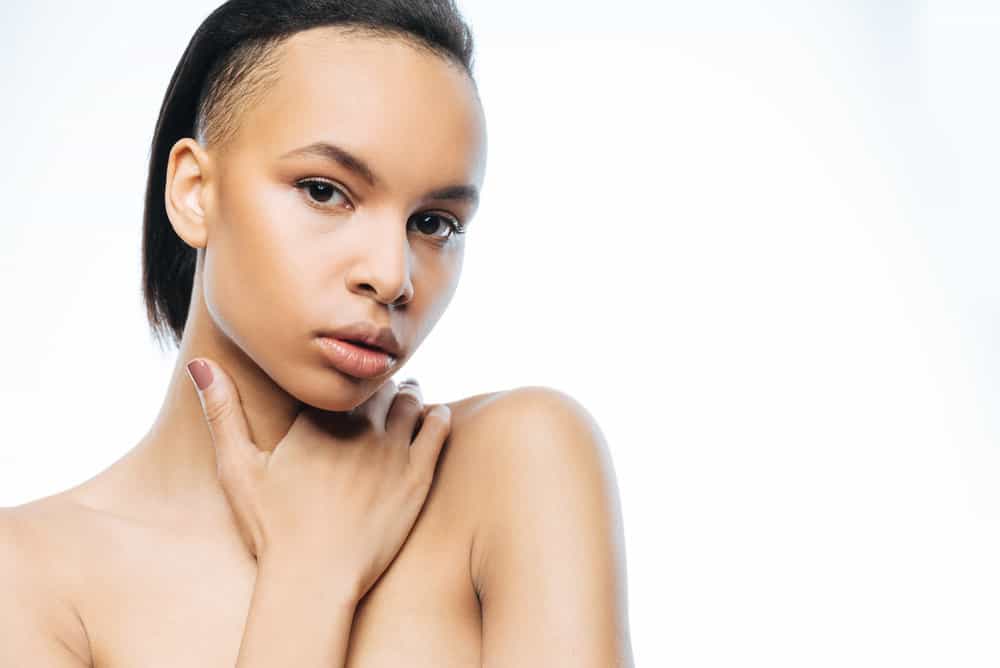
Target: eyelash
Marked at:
456, 226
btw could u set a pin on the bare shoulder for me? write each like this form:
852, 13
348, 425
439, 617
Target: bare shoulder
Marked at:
533, 421
512, 407
547, 558
481, 423
533, 447
495, 431
37, 575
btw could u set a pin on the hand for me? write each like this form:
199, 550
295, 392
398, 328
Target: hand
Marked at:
340, 491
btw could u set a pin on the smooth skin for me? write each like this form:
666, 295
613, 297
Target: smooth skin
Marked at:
366, 464
515, 556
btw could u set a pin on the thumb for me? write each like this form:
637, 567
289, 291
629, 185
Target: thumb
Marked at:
223, 410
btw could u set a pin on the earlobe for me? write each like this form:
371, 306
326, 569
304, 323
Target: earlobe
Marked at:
185, 181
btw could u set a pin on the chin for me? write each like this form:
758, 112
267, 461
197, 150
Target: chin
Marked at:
333, 390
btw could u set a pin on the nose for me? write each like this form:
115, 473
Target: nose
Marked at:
382, 269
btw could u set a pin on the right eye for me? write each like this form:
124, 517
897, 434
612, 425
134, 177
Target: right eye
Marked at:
320, 193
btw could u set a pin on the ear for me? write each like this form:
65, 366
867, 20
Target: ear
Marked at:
184, 197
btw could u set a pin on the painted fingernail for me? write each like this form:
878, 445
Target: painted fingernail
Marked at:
200, 373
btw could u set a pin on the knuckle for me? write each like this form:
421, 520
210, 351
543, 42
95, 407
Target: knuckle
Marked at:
218, 410
408, 401
437, 419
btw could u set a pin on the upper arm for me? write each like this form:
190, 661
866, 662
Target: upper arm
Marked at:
31, 622
548, 555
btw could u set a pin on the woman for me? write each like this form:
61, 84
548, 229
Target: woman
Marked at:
312, 174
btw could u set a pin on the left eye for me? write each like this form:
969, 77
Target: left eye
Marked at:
322, 192
426, 223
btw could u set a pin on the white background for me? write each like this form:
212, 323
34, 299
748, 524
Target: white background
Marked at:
755, 240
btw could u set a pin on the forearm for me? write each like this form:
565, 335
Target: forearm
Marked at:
297, 617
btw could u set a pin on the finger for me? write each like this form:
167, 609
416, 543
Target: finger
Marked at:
427, 445
420, 420
406, 408
376, 406
223, 411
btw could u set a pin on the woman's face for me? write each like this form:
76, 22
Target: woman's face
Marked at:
298, 242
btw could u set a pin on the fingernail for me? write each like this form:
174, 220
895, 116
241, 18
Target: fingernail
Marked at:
200, 373
411, 381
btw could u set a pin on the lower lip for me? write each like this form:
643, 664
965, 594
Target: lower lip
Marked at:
355, 360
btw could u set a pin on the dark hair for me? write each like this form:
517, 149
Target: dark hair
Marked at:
229, 59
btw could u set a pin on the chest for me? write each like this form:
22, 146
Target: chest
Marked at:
156, 600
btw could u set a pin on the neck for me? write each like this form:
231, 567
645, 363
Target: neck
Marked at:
175, 462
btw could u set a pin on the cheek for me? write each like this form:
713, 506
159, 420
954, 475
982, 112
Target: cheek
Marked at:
252, 286
435, 290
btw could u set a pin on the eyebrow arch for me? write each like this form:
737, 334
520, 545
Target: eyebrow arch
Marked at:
349, 161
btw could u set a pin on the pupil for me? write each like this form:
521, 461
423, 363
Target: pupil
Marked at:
323, 188
423, 219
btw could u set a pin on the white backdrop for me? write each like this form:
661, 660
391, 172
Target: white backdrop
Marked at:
755, 240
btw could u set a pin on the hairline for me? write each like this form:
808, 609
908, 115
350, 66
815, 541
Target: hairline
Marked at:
240, 79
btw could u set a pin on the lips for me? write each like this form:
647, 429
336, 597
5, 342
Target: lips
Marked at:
355, 360
365, 345
367, 334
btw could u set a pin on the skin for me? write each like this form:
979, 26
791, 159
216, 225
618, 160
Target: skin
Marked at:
517, 557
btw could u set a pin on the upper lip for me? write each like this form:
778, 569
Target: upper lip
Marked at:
367, 333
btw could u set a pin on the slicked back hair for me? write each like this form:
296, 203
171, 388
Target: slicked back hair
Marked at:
228, 64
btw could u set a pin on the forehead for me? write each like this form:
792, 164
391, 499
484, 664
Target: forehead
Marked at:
404, 110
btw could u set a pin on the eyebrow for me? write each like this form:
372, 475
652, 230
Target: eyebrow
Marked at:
346, 159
